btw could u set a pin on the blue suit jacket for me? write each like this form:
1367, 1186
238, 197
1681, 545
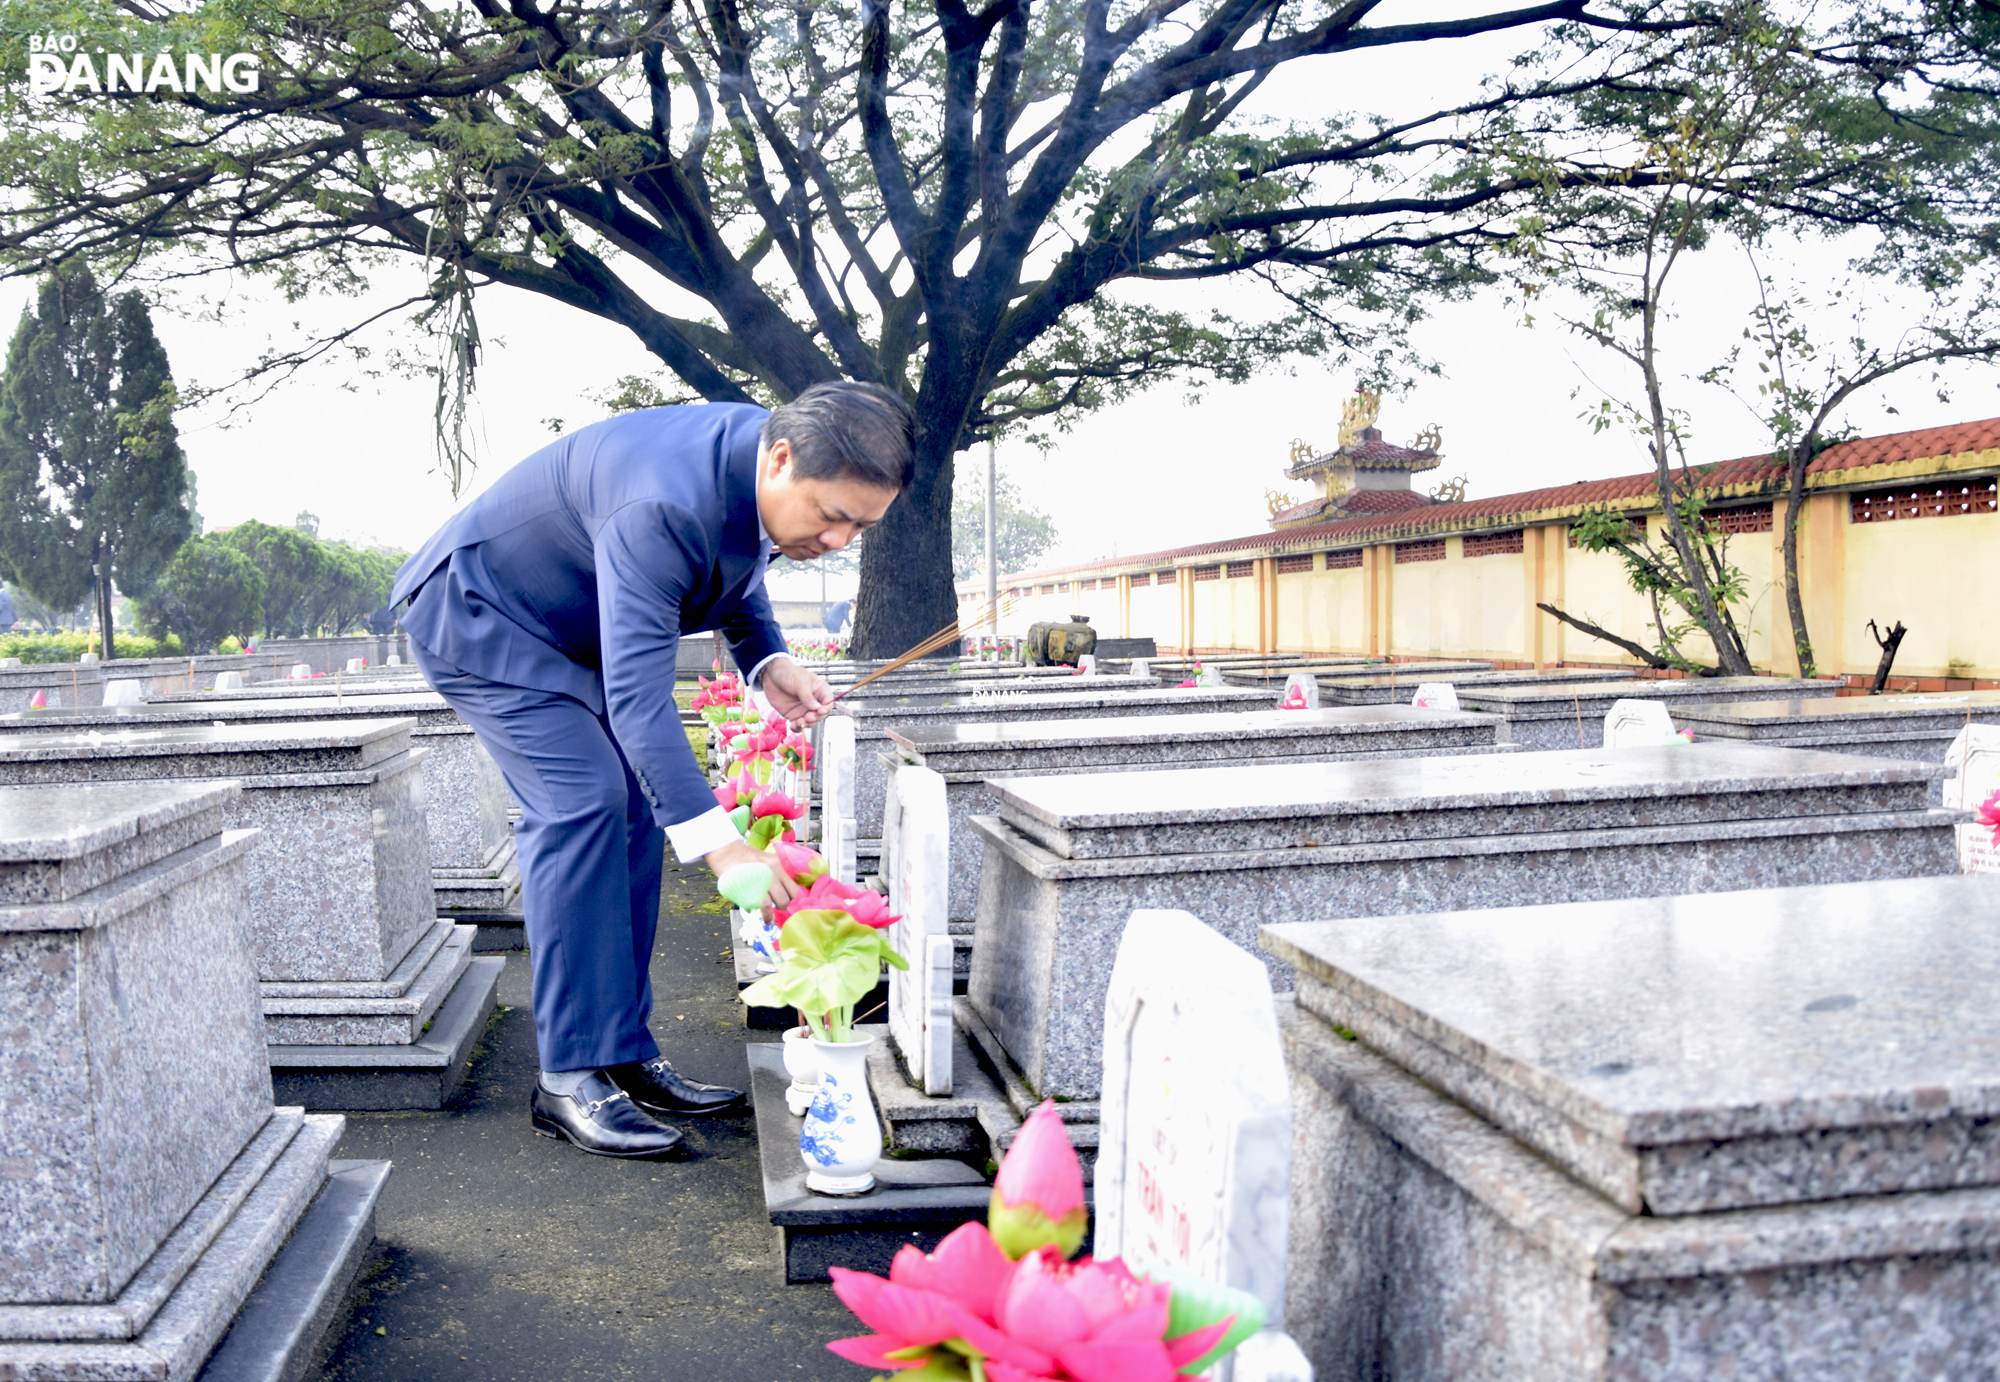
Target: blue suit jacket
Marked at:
580, 569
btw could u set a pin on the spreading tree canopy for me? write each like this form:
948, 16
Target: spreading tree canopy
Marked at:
986, 208
94, 487
209, 592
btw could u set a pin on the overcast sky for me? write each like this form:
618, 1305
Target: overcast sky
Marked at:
1155, 472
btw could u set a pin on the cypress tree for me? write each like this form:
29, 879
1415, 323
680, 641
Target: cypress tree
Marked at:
97, 492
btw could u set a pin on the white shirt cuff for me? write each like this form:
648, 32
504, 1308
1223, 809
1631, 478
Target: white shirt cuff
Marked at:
756, 673
709, 831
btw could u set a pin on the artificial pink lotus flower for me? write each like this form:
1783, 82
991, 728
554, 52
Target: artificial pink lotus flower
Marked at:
39, 702
737, 791
1189, 682
1988, 813
1295, 699
829, 894
800, 864
871, 910
1040, 1318
729, 729
1038, 1195
772, 802
1096, 1320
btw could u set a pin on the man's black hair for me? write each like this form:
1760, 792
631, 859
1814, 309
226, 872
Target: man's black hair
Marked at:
848, 431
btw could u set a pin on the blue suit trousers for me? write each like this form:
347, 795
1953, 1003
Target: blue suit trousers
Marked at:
590, 858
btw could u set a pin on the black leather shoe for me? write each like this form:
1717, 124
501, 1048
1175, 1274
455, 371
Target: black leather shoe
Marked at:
602, 1119
657, 1088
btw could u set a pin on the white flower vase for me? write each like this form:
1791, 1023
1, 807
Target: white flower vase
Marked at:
760, 937
802, 1064
840, 1141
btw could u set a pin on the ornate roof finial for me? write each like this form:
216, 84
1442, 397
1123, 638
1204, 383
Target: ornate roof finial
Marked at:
1359, 414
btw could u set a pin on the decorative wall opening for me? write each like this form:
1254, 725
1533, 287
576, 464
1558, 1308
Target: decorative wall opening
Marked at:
1208, 573
1495, 544
1143, 578
1048, 590
1343, 561
1932, 501
1749, 518
1289, 565
1239, 569
1420, 551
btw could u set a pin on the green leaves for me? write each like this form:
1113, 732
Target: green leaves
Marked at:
828, 961
1198, 1303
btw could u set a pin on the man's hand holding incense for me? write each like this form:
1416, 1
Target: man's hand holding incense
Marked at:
801, 697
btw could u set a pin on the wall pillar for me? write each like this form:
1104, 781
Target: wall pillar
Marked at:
1124, 590
1822, 582
1264, 570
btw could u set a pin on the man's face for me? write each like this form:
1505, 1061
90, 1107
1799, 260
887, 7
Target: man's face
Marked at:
809, 518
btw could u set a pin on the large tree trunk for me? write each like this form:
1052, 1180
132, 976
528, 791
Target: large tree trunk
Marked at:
906, 590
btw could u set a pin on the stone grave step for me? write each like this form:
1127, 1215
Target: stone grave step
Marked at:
421, 1075
304, 1296
915, 1202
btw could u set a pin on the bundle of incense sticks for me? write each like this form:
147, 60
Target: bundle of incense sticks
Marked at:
947, 634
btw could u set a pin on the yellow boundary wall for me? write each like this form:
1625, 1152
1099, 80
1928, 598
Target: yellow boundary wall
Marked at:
1358, 597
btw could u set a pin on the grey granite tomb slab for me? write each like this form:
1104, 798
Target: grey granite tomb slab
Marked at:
340, 887
1069, 858
1683, 1055
63, 684
146, 1181
872, 724
465, 801
1568, 716
1915, 728
1430, 1244
131, 1062
968, 754
1395, 687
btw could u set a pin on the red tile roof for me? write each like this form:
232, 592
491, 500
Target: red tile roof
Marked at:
1384, 501
1746, 477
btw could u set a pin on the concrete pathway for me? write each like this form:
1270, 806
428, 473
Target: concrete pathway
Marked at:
506, 1257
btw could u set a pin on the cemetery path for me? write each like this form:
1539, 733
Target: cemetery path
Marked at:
506, 1257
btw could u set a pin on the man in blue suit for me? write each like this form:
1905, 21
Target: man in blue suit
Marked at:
547, 613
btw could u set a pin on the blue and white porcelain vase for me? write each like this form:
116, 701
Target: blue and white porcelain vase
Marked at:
840, 1141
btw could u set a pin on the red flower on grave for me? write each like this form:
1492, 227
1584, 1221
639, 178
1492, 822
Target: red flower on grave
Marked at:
1988, 814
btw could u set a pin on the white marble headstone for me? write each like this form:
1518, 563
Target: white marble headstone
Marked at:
1194, 1156
356, 664
1973, 765
1211, 675
1637, 724
835, 759
124, 691
395, 659
1087, 664
88, 659
1306, 684
10, 662
301, 671
229, 681
1436, 695
917, 861
1140, 667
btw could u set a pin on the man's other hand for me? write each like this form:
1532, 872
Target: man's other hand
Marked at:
800, 696
783, 889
